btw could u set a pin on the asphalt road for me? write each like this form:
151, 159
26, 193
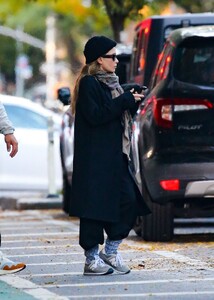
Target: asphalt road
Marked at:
47, 240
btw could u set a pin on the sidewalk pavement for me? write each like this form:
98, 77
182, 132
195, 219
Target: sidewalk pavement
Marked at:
29, 200
8, 292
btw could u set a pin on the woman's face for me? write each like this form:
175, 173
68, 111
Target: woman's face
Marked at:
109, 61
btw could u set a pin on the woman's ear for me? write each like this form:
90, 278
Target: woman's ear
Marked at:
99, 60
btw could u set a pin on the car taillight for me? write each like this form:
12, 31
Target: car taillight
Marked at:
170, 185
146, 30
163, 108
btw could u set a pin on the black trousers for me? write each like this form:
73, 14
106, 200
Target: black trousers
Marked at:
92, 231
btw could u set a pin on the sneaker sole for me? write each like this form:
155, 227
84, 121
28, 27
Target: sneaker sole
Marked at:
120, 272
11, 271
110, 271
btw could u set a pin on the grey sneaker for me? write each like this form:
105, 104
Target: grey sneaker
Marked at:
97, 267
115, 261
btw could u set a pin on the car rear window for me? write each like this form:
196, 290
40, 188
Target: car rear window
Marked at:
194, 61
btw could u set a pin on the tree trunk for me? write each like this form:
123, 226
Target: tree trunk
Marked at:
117, 19
117, 23
73, 58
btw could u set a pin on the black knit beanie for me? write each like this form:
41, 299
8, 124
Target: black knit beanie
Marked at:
96, 47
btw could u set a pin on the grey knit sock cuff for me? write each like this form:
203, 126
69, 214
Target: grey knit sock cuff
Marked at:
111, 247
92, 254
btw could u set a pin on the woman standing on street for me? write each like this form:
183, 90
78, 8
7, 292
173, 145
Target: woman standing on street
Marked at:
104, 195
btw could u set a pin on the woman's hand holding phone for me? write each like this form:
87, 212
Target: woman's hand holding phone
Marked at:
138, 96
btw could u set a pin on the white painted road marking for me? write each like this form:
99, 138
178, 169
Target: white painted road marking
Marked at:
31, 288
59, 253
42, 234
41, 247
149, 295
195, 279
81, 273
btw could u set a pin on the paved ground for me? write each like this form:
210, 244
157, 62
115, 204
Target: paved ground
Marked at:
47, 240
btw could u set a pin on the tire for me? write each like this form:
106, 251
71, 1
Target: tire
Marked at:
138, 226
66, 198
157, 226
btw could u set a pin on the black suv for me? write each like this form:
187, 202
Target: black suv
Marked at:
174, 134
150, 36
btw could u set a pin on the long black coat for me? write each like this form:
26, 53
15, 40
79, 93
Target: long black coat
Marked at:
97, 165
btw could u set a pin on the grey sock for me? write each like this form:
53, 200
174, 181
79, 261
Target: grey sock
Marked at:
92, 254
112, 246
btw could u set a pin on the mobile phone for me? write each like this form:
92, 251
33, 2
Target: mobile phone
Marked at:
139, 88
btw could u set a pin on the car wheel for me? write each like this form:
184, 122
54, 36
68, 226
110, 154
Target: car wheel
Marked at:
66, 198
138, 226
157, 226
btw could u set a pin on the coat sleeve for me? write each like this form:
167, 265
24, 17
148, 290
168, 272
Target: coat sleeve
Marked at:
6, 126
134, 109
97, 107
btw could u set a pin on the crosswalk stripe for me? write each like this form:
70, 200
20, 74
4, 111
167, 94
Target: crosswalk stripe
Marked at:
195, 279
40, 234
31, 288
149, 295
59, 254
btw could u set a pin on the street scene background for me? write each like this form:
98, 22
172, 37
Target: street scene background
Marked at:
41, 46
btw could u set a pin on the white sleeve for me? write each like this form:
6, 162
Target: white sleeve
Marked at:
6, 126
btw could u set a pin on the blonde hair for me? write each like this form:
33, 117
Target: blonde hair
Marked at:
89, 69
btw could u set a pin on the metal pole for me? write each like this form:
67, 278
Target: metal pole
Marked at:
51, 162
50, 59
19, 78
19, 84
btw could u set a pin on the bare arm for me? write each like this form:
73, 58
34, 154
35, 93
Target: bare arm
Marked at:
12, 144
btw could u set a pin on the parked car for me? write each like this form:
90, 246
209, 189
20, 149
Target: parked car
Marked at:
150, 36
174, 134
123, 66
66, 146
28, 170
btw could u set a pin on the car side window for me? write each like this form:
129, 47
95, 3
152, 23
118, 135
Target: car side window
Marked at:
135, 55
142, 56
25, 118
139, 49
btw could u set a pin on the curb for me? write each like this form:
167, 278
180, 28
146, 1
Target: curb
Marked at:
39, 203
30, 202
